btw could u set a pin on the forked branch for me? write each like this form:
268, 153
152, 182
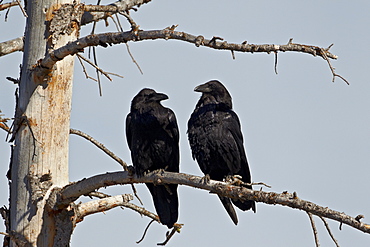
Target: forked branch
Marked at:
46, 64
71, 192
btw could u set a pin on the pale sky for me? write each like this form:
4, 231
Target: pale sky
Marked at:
302, 132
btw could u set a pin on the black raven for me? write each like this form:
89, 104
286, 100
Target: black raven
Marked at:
216, 141
153, 137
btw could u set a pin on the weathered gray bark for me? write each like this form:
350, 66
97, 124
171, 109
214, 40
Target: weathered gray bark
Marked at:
41, 132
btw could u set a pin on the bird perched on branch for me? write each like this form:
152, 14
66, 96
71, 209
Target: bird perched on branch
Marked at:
216, 141
153, 138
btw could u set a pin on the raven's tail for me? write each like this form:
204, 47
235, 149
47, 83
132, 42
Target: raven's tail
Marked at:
165, 202
246, 205
229, 208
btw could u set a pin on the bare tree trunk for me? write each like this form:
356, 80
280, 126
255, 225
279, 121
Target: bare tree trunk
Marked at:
40, 157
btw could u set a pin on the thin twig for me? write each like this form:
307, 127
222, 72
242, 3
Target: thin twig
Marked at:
169, 236
84, 69
3, 124
22, 9
237, 180
97, 71
15, 81
135, 194
97, 194
93, 27
323, 52
261, 183
328, 229
133, 24
115, 23
4, 127
106, 74
92, 32
314, 229
232, 54
146, 229
101, 146
133, 59
119, 27
276, 62
134, 29
7, 13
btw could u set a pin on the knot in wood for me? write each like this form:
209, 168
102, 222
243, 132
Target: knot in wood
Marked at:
199, 41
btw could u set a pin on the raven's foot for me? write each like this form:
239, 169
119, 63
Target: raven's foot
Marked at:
159, 171
131, 171
205, 179
234, 180
158, 174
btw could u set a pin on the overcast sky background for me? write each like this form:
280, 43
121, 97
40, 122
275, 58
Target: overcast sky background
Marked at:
302, 132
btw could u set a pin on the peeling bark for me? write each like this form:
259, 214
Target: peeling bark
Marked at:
41, 130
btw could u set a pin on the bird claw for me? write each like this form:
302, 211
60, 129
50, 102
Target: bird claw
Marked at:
205, 179
159, 171
131, 171
234, 180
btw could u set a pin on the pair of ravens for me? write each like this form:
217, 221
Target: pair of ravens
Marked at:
215, 139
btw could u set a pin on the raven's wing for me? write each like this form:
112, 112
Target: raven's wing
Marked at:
234, 128
174, 130
165, 196
128, 130
170, 136
226, 141
243, 170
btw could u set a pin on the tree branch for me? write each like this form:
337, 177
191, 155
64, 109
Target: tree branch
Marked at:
328, 229
45, 65
106, 74
101, 205
314, 229
110, 202
71, 192
92, 13
11, 46
3, 122
100, 146
98, 12
7, 5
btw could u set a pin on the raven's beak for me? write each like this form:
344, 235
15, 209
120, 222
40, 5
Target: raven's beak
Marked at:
159, 97
202, 88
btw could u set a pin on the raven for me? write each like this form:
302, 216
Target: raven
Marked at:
216, 141
153, 138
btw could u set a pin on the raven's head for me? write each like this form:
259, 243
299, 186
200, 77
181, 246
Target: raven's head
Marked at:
213, 93
147, 97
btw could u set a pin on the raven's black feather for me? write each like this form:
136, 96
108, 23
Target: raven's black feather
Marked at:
216, 140
153, 137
